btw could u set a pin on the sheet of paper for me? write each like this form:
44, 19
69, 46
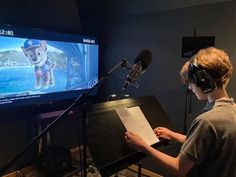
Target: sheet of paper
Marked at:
135, 121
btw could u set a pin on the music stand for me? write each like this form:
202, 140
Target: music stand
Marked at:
105, 133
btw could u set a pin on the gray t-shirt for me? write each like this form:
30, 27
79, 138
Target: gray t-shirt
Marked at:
211, 141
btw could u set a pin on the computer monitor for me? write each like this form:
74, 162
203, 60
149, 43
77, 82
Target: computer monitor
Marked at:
39, 66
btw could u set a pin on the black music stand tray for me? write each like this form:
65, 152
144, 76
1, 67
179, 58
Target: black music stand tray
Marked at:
105, 133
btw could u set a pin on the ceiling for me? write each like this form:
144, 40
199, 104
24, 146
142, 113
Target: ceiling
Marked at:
130, 7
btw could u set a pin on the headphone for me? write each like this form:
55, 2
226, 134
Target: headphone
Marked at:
201, 77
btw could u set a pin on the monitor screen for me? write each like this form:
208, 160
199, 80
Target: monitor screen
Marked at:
38, 66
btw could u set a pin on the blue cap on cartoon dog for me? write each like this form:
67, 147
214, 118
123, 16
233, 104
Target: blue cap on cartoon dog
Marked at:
31, 43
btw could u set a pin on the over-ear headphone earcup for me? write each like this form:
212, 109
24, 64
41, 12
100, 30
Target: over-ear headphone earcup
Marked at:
204, 81
201, 78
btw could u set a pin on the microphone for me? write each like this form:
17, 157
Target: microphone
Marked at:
141, 62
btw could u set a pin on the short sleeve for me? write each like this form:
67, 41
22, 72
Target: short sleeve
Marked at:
200, 141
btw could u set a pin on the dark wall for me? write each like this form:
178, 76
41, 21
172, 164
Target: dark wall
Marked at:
61, 16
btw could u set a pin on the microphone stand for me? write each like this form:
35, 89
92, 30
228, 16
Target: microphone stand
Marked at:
77, 101
187, 108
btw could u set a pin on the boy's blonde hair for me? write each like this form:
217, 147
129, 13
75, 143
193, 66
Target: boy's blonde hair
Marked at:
215, 61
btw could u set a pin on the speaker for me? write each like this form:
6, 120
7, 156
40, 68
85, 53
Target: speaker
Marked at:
192, 44
201, 77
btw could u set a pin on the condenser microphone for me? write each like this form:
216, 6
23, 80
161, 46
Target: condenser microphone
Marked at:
141, 62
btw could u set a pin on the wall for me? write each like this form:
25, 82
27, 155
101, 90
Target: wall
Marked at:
61, 16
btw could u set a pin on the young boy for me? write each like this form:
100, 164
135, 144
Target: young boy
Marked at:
209, 149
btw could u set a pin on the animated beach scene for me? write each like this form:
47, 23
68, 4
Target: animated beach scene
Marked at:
33, 66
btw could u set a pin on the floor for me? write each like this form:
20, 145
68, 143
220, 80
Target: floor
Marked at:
32, 171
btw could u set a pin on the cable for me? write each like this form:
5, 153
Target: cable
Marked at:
187, 108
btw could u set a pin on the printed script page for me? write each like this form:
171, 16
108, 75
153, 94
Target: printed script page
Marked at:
135, 121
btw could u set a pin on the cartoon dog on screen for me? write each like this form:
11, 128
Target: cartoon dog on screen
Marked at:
36, 52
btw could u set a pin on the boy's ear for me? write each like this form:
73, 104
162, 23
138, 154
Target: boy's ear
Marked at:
23, 49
